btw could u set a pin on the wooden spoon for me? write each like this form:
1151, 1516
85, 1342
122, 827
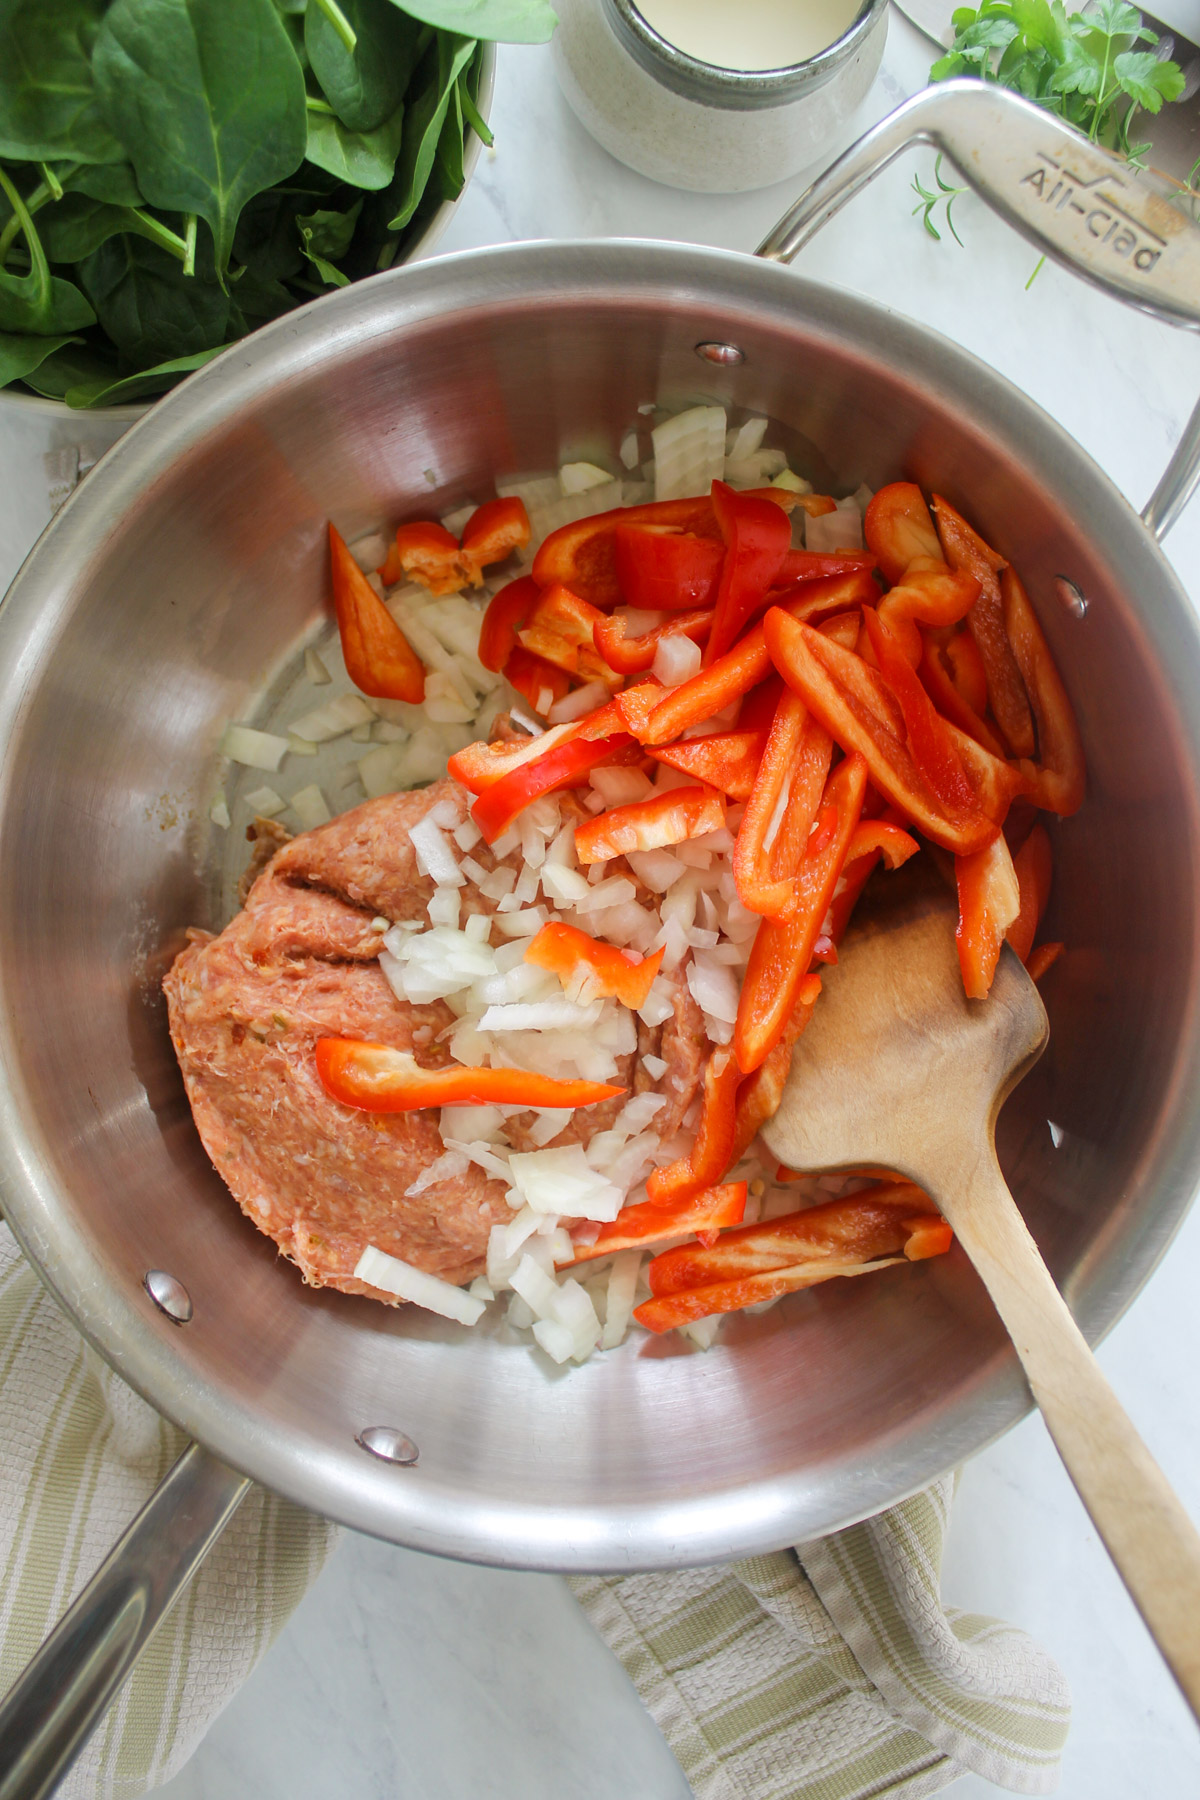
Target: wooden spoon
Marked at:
900, 1071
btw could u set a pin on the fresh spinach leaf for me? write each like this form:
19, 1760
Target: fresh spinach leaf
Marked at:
504, 21
327, 236
21, 353
111, 182
67, 367
467, 88
366, 85
445, 60
366, 159
77, 225
208, 99
48, 103
141, 386
150, 309
37, 301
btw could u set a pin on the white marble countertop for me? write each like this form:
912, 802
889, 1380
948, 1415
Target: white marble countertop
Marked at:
404, 1676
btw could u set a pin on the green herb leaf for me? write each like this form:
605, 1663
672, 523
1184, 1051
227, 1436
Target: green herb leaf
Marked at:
142, 386
113, 182
150, 309
500, 21
366, 159
423, 125
38, 302
78, 225
1146, 80
208, 99
364, 87
21, 353
325, 236
65, 368
48, 106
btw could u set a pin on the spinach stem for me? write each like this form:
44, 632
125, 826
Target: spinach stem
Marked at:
158, 233
189, 251
39, 268
339, 21
318, 106
51, 181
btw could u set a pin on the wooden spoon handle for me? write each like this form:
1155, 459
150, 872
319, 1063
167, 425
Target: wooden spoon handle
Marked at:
1149, 1536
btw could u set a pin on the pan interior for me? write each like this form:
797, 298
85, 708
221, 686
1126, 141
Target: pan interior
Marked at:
175, 594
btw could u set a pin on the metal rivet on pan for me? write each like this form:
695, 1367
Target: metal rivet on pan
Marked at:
720, 353
388, 1444
169, 1295
1071, 596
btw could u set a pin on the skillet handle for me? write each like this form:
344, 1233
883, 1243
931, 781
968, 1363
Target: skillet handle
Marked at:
1131, 236
52, 1709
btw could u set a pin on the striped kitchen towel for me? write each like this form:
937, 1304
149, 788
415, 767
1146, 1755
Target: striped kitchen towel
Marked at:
833, 1671
81, 1454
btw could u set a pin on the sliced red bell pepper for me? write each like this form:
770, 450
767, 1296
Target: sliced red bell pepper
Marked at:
590, 969
653, 824
705, 1215
667, 570
561, 629
782, 951
1057, 780
1043, 958
565, 765
882, 838
507, 612
997, 784
897, 527
931, 593
757, 709
792, 775
809, 565
989, 900
759, 1094
964, 549
757, 537
583, 554
727, 760
493, 531
929, 738
428, 553
538, 682
480, 766
816, 505
949, 691
709, 1157
759, 1262
1034, 866
379, 658
852, 702
633, 655
378, 1078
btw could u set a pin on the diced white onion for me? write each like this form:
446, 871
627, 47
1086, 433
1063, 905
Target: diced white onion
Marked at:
837, 530
562, 1181
554, 1339
255, 749
619, 1298
656, 869
434, 855
575, 705
629, 450
334, 719
548, 1122
315, 669
689, 452
218, 812
544, 1015
655, 1067
579, 477
702, 1331
676, 659
614, 891
481, 1288
525, 924
489, 1160
447, 1166
310, 808
659, 1004
445, 907
745, 439
562, 885
713, 987
391, 1276
265, 801
369, 551
467, 834
620, 787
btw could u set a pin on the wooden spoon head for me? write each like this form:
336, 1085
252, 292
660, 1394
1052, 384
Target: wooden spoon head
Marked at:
897, 1064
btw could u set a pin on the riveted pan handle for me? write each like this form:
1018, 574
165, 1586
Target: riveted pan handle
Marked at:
1130, 235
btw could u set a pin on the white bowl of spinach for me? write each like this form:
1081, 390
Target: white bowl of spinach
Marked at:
175, 173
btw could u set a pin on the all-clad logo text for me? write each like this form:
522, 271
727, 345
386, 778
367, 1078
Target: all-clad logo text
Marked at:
1104, 218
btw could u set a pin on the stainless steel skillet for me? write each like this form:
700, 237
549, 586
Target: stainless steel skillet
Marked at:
167, 599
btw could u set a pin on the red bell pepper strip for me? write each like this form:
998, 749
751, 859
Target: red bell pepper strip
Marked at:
379, 658
879, 838
538, 682
428, 553
566, 765
493, 531
757, 709
653, 824
590, 969
480, 766
561, 629
378, 1078
997, 784
964, 549
962, 660
507, 612
1034, 868
633, 655
758, 1262
989, 900
949, 693
759, 1094
816, 505
931, 593
929, 738
757, 537
667, 570
782, 950
1043, 958
727, 760
852, 702
809, 565
705, 1215
710, 1155
583, 554
1057, 780
792, 774
897, 528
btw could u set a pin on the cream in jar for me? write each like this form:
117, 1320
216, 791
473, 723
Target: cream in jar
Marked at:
750, 34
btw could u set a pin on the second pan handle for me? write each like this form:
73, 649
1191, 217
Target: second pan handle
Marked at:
1128, 234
